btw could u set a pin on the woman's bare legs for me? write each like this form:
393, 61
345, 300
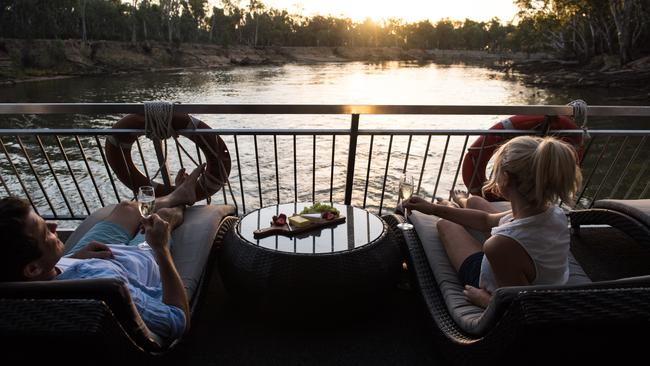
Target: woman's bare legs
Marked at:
458, 242
464, 200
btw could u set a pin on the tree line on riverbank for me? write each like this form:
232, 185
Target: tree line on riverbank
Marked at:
579, 29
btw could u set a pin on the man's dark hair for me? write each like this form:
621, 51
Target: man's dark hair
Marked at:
17, 248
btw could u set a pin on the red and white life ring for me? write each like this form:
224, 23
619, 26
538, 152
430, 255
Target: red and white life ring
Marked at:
481, 151
218, 164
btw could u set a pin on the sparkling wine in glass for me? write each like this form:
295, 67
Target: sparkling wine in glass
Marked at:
146, 201
405, 192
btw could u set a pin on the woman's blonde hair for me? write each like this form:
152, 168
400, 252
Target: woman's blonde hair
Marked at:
544, 170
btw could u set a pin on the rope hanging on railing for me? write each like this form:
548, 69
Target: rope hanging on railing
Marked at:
580, 111
158, 125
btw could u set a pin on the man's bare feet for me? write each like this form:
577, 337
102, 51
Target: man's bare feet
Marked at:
185, 192
460, 197
180, 177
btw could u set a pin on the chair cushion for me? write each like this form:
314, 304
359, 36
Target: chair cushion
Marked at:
638, 209
470, 318
192, 241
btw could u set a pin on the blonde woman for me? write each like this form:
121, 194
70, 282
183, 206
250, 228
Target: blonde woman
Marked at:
528, 245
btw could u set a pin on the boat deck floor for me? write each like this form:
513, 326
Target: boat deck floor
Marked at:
394, 331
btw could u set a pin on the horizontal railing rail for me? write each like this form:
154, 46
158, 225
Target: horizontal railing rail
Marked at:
116, 108
65, 175
308, 132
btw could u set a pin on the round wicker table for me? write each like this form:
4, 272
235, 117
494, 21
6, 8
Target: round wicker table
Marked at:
355, 260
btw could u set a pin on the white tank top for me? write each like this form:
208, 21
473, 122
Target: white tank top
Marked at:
546, 239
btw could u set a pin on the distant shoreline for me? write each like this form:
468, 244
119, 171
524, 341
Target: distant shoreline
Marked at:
39, 60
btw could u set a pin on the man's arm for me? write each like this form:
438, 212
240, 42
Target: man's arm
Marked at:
157, 234
476, 219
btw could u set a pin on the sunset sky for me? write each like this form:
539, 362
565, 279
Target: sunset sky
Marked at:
409, 10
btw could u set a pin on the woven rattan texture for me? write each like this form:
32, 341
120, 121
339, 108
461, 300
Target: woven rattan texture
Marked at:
57, 317
252, 271
597, 216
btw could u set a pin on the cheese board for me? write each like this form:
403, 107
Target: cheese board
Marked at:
292, 230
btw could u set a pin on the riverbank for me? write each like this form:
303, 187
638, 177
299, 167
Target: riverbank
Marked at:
601, 71
34, 60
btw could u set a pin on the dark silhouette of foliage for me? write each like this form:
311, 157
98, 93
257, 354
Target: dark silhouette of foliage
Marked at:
579, 29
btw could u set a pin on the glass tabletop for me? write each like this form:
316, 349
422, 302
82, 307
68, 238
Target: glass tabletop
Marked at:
360, 228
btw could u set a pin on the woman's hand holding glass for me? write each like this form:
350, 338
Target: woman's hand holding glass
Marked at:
405, 193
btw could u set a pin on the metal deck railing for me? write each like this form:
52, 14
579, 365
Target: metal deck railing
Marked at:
64, 173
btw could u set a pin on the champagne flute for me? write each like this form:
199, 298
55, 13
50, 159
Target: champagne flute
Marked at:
405, 192
146, 201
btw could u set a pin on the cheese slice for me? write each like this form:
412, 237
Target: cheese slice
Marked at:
315, 216
298, 221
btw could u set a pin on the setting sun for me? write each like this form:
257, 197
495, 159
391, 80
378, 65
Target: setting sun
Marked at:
408, 10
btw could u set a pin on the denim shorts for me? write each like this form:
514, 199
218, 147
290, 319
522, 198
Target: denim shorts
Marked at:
470, 271
107, 232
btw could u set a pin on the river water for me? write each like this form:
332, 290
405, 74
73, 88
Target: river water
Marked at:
326, 83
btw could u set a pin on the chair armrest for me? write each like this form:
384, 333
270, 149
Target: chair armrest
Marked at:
109, 291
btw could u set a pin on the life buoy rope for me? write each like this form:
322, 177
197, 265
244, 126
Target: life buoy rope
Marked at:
480, 152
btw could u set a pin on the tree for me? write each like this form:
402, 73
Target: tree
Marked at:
134, 21
82, 14
255, 8
169, 14
628, 25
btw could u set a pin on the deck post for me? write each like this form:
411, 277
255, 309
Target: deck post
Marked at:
352, 153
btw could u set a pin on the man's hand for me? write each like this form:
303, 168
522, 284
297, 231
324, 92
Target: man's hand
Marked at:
94, 250
157, 232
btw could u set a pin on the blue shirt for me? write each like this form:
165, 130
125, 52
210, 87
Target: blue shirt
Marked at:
139, 271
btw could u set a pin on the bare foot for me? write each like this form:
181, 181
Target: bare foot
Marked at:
477, 296
180, 177
444, 202
185, 193
459, 196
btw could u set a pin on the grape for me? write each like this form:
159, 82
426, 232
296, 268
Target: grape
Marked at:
318, 207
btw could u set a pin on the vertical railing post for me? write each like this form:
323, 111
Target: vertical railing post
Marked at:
352, 153
161, 154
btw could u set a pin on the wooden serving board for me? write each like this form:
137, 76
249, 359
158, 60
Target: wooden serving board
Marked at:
284, 229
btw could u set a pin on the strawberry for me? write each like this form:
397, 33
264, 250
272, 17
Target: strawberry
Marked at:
328, 215
279, 220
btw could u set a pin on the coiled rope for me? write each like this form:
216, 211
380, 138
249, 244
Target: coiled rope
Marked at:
158, 117
158, 127
580, 111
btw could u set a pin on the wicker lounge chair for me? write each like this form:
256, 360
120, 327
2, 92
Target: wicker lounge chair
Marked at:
630, 216
596, 318
97, 316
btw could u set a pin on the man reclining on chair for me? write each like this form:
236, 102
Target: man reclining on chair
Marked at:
33, 252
